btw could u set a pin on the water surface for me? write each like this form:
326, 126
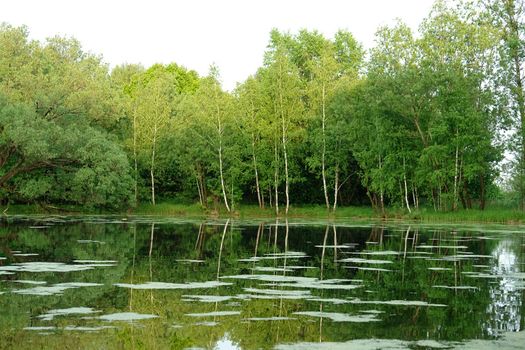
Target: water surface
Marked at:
139, 282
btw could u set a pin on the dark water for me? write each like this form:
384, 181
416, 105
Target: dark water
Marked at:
139, 283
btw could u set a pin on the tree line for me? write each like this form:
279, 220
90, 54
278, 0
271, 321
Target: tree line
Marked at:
423, 118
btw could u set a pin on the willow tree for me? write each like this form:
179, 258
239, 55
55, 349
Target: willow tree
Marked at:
55, 103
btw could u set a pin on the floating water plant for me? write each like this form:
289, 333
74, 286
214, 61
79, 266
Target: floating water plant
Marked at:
127, 316
165, 285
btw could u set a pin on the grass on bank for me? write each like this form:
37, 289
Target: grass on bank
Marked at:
490, 215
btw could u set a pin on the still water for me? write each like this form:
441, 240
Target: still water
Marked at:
145, 283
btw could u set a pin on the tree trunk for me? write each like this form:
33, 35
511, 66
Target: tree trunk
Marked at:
284, 140
286, 177
219, 150
259, 195
336, 186
135, 155
420, 131
276, 180
434, 199
232, 198
204, 189
222, 177
270, 195
415, 198
381, 192
382, 201
201, 201
323, 149
372, 198
482, 199
152, 168
462, 199
456, 177
466, 195
406, 187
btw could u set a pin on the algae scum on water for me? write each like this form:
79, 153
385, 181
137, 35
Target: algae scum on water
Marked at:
93, 282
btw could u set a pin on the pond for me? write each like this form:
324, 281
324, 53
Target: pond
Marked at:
150, 283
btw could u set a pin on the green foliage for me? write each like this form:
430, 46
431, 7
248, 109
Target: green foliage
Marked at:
60, 160
423, 118
421, 121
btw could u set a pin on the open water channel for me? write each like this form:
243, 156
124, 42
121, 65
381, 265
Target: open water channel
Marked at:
150, 283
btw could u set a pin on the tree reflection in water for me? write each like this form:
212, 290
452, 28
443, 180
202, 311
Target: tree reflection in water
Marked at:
257, 285
505, 294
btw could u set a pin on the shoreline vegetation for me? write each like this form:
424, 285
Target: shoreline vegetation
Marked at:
507, 216
424, 126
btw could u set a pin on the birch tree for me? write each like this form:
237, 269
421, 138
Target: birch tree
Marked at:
151, 120
286, 92
213, 109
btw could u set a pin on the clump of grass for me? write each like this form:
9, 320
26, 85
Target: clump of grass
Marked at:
169, 209
494, 215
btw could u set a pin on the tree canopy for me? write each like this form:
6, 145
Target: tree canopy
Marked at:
422, 119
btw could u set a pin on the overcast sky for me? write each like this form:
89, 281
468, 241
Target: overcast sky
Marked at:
233, 34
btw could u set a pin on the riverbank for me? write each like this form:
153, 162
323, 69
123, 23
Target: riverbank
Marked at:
425, 215
491, 215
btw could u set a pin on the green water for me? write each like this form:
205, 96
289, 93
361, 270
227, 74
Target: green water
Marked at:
142, 283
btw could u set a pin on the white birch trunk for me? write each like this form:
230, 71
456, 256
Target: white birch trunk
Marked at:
323, 150
406, 187
259, 196
222, 177
135, 154
284, 140
276, 180
221, 172
286, 185
336, 186
152, 168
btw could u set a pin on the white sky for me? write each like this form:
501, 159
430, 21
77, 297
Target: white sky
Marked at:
233, 34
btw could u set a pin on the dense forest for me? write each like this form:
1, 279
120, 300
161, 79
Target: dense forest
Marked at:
422, 118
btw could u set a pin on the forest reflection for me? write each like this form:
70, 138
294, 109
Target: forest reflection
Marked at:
506, 297
235, 284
